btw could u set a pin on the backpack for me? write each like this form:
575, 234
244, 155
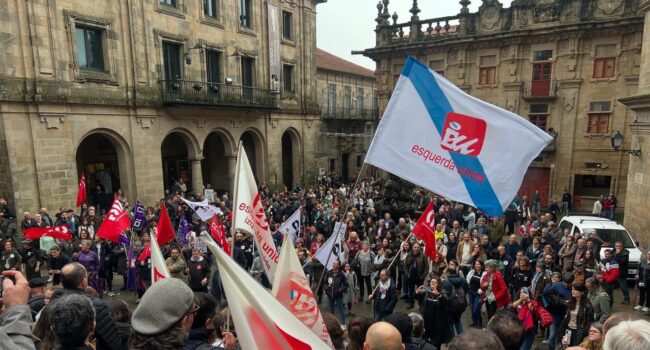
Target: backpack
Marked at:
458, 299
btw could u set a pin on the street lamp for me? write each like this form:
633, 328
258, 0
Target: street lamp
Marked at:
617, 142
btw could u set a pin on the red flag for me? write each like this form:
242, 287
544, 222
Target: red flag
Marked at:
165, 230
116, 221
146, 252
425, 229
218, 231
81, 195
58, 232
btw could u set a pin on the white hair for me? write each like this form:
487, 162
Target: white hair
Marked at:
628, 335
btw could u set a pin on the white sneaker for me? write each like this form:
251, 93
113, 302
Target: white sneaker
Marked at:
645, 309
638, 307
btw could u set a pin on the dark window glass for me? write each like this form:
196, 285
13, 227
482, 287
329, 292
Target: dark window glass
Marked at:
245, 19
347, 100
89, 48
210, 8
172, 61
539, 108
247, 71
331, 99
287, 24
168, 2
213, 66
543, 55
287, 78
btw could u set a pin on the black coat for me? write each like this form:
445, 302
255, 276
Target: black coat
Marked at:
584, 320
338, 285
435, 312
385, 302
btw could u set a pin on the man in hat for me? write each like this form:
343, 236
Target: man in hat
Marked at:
164, 316
31, 259
36, 301
579, 272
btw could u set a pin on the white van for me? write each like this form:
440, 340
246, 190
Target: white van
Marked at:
610, 232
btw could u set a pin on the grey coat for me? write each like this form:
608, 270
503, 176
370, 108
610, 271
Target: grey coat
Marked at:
16, 328
600, 302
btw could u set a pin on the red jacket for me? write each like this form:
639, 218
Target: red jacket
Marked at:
610, 270
499, 289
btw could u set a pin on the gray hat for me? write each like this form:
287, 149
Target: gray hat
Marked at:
164, 304
492, 263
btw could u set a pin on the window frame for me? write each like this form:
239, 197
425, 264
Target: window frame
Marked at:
332, 90
487, 74
170, 3
602, 73
101, 35
246, 12
215, 8
168, 43
251, 60
600, 115
292, 83
209, 63
290, 27
106, 76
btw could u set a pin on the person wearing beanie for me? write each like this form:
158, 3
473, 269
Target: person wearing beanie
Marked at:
579, 317
164, 316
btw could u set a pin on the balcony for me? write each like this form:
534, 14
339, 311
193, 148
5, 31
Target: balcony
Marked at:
349, 113
219, 95
540, 90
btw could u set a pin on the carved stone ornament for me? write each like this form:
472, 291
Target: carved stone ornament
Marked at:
145, 122
52, 121
490, 12
547, 13
609, 6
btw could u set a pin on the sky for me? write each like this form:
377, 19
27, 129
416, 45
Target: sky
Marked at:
346, 25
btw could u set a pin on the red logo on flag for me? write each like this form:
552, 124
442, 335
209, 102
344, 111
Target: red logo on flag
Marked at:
463, 134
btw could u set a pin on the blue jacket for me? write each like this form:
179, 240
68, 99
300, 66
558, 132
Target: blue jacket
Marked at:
511, 250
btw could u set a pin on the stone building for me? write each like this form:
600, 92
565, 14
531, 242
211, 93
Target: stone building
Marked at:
637, 210
348, 100
562, 64
139, 93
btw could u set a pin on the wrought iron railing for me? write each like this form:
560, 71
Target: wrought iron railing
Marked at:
216, 94
349, 113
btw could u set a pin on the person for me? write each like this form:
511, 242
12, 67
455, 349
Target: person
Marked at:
418, 333
476, 340
520, 276
628, 335
335, 287
507, 327
594, 341
526, 307
474, 282
119, 311
643, 281
610, 270
175, 263
356, 328
464, 253
74, 279
90, 261
457, 289
72, 320
416, 268
201, 331
579, 317
11, 258
495, 293
622, 256
352, 294
385, 296
599, 300
31, 259
567, 255
555, 297
198, 272
16, 320
164, 316
383, 336
566, 202
56, 261
337, 335
36, 300
404, 325
434, 307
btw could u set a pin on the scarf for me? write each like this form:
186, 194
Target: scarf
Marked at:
383, 286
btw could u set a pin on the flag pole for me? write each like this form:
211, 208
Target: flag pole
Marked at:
341, 220
401, 248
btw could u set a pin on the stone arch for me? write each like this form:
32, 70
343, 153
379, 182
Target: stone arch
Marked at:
253, 142
181, 158
219, 160
191, 142
105, 158
290, 156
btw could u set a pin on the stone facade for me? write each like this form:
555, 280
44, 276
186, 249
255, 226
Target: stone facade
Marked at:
560, 63
127, 124
637, 211
348, 101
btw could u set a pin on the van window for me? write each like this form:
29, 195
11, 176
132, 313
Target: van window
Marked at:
565, 224
610, 236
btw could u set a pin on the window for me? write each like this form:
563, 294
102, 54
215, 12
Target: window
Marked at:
592, 185
332, 165
213, 66
168, 2
331, 99
171, 61
542, 55
605, 61
287, 25
599, 114
347, 100
89, 48
247, 71
487, 70
245, 18
210, 8
287, 78
360, 100
359, 161
438, 66
539, 115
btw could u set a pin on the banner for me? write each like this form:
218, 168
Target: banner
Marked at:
291, 288
261, 321
83, 192
203, 209
291, 226
116, 221
58, 232
140, 222
249, 214
436, 136
218, 232
165, 230
330, 251
183, 229
158, 267
425, 229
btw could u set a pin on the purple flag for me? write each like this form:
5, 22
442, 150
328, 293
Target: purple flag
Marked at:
124, 239
183, 229
140, 222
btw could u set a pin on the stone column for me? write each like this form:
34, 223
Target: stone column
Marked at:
232, 165
197, 176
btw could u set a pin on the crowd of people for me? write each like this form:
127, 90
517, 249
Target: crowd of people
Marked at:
519, 277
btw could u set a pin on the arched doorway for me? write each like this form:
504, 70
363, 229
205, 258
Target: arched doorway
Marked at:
175, 161
103, 160
253, 147
216, 162
290, 159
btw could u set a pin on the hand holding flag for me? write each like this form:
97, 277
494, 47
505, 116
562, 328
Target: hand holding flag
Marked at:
57, 232
218, 231
425, 229
116, 221
81, 195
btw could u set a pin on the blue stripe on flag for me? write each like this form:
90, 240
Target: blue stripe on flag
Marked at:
436, 102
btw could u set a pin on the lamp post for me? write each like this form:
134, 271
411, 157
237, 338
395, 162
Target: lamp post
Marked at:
617, 142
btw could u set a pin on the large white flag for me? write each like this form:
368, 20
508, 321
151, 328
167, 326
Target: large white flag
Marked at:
435, 135
291, 227
203, 209
291, 288
249, 215
260, 320
330, 251
158, 266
